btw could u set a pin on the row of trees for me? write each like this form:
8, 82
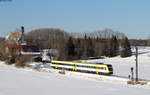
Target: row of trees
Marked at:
70, 47
90, 48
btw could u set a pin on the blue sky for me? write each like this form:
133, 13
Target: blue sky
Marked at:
132, 17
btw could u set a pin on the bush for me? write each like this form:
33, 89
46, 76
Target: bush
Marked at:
22, 60
9, 58
3, 55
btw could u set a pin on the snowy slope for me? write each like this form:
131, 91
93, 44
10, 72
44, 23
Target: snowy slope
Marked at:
122, 65
15, 81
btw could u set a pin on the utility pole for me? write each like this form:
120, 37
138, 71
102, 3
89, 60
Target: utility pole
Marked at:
136, 63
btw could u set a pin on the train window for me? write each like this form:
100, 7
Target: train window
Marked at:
93, 67
102, 68
86, 66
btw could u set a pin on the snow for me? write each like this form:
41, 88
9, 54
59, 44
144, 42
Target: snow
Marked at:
17, 81
122, 66
23, 82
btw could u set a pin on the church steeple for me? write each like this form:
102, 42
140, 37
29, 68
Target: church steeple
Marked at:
22, 39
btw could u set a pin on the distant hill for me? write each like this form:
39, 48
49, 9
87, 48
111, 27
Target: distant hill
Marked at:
139, 42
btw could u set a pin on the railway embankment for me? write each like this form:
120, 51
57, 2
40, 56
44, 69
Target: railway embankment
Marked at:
115, 79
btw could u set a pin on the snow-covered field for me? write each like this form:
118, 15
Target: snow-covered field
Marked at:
122, 65
14, 81
24, 82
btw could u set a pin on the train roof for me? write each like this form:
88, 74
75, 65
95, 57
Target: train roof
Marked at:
90, 62
73, 62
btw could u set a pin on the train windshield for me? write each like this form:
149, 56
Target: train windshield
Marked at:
110, 67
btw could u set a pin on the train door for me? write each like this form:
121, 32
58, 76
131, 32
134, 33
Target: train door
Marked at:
74, 67
97, 70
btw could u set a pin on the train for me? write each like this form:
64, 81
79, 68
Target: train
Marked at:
97, 68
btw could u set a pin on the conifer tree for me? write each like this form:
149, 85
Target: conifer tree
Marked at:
79, 49
90, 47
126, 49
84, 55
114, 47
70, 48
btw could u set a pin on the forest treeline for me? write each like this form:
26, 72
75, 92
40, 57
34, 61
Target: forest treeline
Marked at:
69, 46
139, 42
73, 46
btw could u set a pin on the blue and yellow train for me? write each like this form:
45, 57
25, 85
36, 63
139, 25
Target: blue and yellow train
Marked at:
98, 68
